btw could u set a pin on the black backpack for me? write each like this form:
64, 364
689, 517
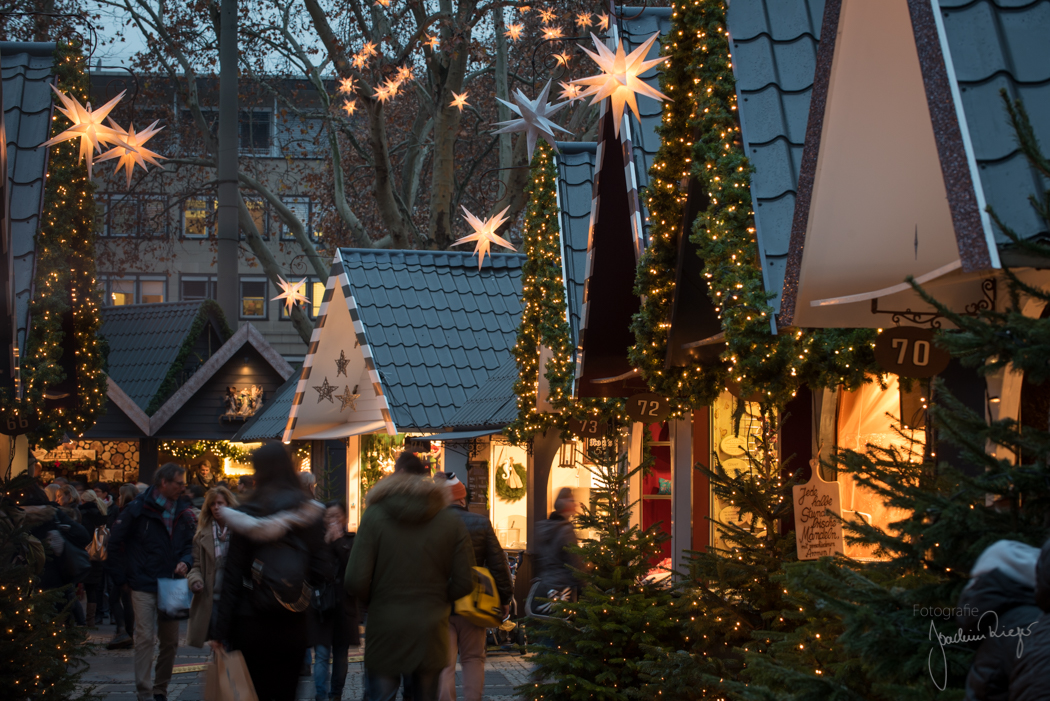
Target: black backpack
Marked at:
279, 575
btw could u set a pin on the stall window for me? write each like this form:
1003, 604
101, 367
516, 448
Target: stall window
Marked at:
869, 416
253, 298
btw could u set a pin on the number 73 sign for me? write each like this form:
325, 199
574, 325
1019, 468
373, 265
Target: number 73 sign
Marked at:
910, 352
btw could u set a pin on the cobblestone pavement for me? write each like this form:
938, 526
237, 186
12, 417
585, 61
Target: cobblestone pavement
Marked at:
111, 673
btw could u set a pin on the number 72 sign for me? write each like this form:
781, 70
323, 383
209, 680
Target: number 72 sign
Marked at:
910, 352
648, 408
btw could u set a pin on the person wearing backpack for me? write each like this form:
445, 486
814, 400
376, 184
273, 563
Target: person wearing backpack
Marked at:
152, 539
466, 639
411, 560
93, 516
276, 556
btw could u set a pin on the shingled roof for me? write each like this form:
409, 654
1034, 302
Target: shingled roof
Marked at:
145, 340
494, 404
437, 326
25, 70
1003, 46
575, 163
774, 50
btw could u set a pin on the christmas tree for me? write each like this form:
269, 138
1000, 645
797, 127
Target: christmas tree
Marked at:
871, 630
596, 647
735, 604
39, 653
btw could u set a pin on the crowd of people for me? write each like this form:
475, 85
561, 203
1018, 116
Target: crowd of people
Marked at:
275, 575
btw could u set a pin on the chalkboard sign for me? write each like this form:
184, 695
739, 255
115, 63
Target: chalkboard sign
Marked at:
817, 532
478, 483
909, 352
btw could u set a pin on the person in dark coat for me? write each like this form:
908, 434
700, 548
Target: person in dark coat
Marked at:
272, 635
93, 514
336, 630
1029, 680
54, 529
466, 640
120, 594
412, 558
554, 560
153, 539
1000, 597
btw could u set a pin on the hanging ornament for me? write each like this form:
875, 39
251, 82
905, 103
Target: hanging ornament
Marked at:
347, 86
292, 293
134, 152
563, 58
569, 91
603, 22
485, 234
403, 73
583, 20
619, 78
548, 16
514, 31
551, 33
534, 118
432, 42
88, 126
350, 106
459, 100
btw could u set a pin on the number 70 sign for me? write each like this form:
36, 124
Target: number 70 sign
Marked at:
910, 352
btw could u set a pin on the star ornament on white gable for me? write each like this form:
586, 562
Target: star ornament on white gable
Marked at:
619, 77
292, 293
485, 234
534, 118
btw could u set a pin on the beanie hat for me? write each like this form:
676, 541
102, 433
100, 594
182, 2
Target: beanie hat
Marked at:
1015, 560
455, 488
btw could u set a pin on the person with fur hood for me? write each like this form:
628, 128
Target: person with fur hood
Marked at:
1028, 678
411, 560
999, 598
275, 557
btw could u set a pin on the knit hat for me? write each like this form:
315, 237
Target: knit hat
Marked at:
1016, 560
455, 488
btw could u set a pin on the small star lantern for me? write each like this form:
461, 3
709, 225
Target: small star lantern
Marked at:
292, 293
485, 234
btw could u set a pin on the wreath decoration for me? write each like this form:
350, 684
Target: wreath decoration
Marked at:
507, 492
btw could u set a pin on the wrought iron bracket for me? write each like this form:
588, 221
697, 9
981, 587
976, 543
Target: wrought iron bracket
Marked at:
989, 290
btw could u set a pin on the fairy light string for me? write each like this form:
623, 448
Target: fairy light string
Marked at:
65, 281
700, 138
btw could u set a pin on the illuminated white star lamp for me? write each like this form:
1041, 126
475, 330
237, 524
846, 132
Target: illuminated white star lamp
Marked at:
485, 234
533, 118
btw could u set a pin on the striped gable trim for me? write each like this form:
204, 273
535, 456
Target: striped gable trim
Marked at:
337, 276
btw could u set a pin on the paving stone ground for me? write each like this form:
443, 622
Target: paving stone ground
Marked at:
111, 673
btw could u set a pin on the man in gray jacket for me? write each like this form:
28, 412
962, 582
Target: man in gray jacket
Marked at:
466, 639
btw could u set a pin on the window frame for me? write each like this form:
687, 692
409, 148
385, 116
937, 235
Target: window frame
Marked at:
211, 285
240, 297
210, 207
106, 283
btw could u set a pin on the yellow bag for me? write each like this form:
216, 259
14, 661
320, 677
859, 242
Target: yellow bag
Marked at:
481, 607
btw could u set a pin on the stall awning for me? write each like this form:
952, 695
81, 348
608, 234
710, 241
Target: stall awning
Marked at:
458, 435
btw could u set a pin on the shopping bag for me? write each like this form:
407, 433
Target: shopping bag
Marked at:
227, 679
174, 598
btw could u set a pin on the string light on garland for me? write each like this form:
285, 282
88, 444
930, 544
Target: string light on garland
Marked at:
700, 138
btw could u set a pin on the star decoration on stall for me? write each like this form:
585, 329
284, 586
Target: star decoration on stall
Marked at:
349, 399
340, 364
325, 391
514, 31
550, 33
459, 100
534, 118
347, 86
135, 153
292, 293
619, 77
485, 234
350, 106
88, 127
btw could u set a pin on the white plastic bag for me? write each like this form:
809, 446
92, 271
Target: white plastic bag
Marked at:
174, 597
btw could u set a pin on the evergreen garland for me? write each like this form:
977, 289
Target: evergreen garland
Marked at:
700, 136
543, 321
65, 280
505, 491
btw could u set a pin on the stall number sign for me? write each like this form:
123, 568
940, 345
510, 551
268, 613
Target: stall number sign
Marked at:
19, 420
589, 428
817, 532
648, 408
910, 352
